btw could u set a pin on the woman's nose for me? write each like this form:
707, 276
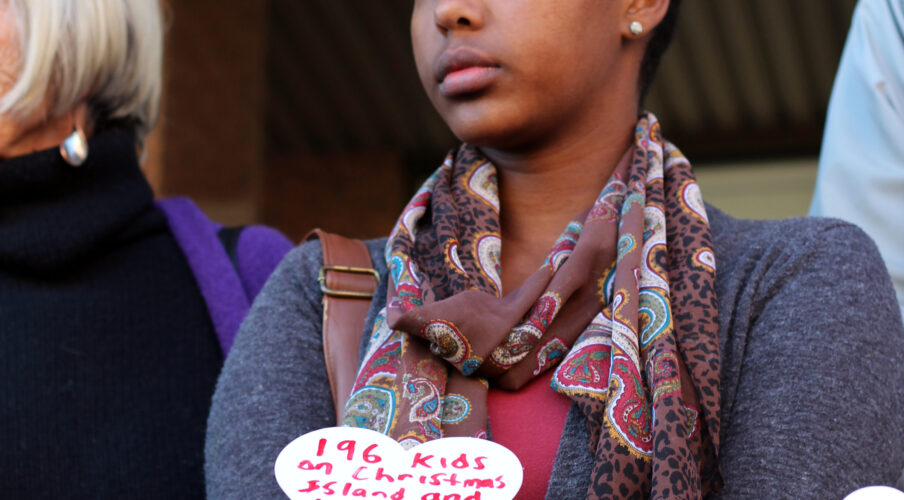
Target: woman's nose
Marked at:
452, 15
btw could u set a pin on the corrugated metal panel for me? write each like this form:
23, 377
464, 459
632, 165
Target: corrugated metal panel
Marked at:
743, 77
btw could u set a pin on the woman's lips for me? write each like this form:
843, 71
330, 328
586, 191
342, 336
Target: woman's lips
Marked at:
465, 70
467, 81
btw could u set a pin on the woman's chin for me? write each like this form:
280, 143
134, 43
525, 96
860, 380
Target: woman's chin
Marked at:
514, 140
489, 133
497, 124
478, 121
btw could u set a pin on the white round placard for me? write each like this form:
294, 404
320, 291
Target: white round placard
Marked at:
346, 462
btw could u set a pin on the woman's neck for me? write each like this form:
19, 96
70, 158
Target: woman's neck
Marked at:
542, 190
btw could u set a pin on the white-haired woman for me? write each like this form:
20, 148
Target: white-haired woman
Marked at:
114, 311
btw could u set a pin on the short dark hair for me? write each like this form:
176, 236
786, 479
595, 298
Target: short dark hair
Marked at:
662, 37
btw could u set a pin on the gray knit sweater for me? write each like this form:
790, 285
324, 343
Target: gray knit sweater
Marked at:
812, 369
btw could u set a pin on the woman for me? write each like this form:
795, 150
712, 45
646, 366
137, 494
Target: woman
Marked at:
669, 380
109, 329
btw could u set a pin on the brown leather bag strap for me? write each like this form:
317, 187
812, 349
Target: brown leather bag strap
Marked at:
348, 282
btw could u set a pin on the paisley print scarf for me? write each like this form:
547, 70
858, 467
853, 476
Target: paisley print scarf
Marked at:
623, 308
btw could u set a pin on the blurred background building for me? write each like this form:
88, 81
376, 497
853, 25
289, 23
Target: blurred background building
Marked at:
303, 113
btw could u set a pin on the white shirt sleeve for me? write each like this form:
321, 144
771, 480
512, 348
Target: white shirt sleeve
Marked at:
861, 166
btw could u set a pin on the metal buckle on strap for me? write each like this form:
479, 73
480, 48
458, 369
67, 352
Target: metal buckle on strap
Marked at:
351, 294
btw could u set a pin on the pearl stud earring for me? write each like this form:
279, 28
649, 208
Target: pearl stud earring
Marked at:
635, 28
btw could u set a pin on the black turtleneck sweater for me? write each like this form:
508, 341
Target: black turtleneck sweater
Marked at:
108, 358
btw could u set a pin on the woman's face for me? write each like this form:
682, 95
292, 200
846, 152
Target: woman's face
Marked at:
510, 73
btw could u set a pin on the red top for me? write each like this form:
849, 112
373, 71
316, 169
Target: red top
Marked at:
529, 422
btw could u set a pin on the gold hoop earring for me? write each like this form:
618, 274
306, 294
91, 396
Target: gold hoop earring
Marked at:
635, 28
74, 148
